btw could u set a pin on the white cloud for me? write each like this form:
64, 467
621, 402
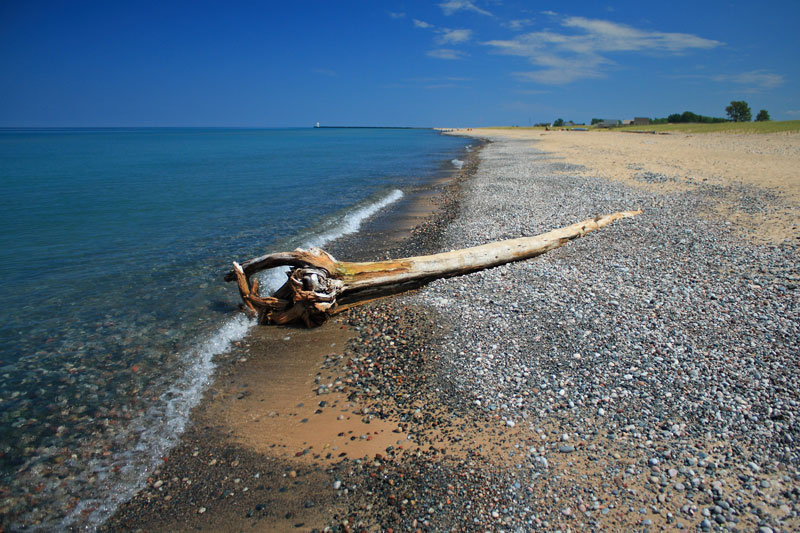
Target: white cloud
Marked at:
750, 82
447, 53
793, 112
756, 79
454, 36
422, 24
518, 24
397, 15
549, 13
452, 6
567, 57
603, 35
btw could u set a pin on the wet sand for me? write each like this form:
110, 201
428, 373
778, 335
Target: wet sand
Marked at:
284, 403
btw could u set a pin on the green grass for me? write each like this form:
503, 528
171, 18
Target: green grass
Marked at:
783, 126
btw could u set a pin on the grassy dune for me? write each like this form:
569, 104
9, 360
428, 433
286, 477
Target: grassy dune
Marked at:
783, 126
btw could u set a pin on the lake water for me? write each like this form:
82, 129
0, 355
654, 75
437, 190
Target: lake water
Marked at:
112, 306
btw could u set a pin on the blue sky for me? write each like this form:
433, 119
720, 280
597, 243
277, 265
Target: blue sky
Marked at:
404, 63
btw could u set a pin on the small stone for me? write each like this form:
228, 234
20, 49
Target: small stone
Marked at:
510, 423
765, 484
566, 448
337, 485
201, 510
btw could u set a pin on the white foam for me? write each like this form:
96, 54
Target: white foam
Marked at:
170, 416
352, 221
457, 163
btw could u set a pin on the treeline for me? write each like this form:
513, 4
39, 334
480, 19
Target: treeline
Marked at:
688, 116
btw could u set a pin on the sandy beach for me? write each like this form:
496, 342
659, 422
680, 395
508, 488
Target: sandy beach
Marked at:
643, 377
734, 163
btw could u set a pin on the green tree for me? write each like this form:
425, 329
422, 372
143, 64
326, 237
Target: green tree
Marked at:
689, 117
762, 116
739, 111
558, 123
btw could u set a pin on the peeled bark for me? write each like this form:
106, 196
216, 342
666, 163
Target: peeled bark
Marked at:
320, 286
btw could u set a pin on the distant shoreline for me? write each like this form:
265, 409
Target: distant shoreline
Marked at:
11, 129
370, 128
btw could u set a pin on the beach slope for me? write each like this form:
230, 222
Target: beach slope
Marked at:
643, 376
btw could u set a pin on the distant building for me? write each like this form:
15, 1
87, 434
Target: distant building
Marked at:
608, 123
627, 122
641, 121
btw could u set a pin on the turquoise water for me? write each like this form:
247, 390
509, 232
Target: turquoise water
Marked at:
112, 306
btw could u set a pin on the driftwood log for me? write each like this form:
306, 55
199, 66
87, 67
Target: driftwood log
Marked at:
320, 286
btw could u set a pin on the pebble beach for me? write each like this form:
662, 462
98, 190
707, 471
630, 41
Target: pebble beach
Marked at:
644, 377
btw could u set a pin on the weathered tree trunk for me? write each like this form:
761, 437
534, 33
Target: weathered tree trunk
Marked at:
320, 286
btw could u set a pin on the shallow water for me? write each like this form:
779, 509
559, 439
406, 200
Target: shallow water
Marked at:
112, 308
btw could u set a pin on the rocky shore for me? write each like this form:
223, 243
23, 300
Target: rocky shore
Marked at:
644, 377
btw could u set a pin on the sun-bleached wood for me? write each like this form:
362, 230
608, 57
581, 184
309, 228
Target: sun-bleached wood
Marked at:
320, 286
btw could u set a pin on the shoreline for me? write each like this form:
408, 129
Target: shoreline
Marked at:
277, 366
641, 377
